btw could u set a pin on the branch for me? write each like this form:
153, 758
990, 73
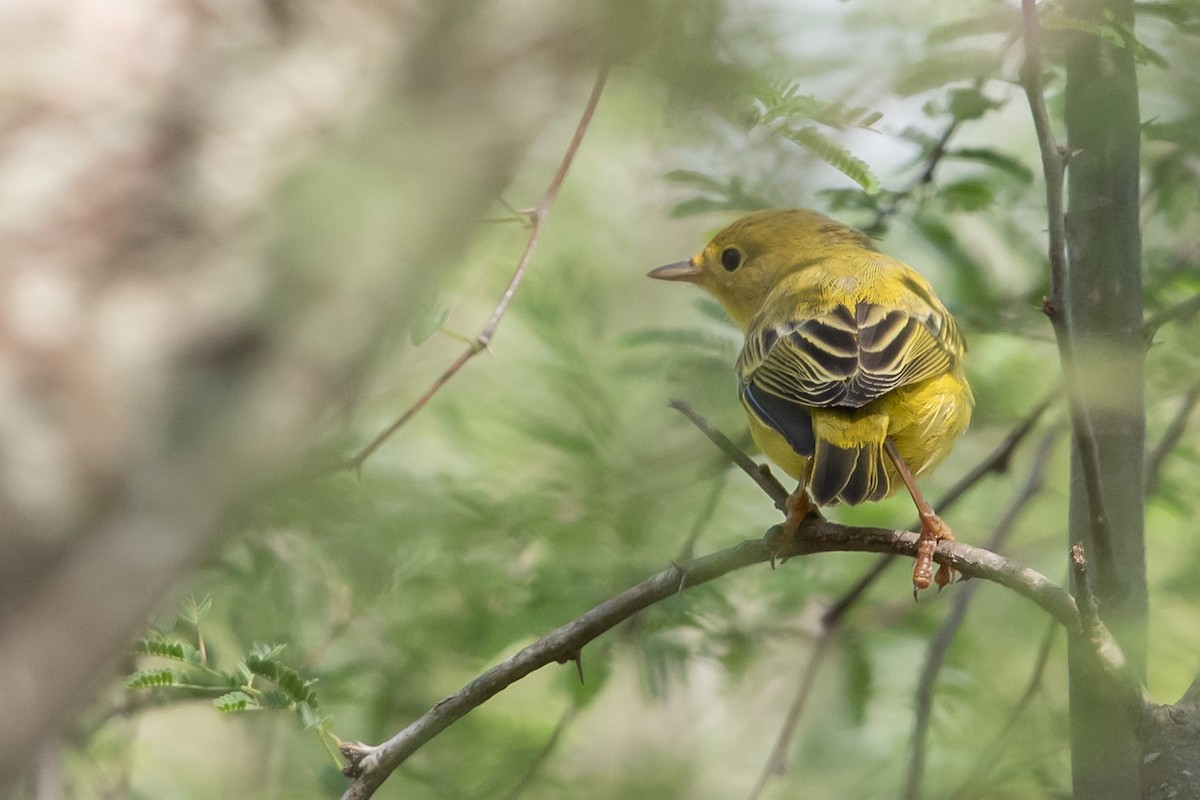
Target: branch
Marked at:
480, 343
1054, 160
704, 515
777, 762
922, 178
547, 750
1170, 438
1111, 662
834, 616
941, 641
995, 461
987, 758
1181, 310
759, 473
370, 766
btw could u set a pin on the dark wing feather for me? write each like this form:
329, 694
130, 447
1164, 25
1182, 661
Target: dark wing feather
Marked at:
847, 358
844, 358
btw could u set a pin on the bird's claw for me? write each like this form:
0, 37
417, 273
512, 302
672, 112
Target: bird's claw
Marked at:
778, 539
933, 530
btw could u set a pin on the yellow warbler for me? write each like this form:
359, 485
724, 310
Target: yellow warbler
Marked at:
851, 372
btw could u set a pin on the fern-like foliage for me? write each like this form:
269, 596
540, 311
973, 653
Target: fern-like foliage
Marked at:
834, 155
150, 678
260, 680
784, 110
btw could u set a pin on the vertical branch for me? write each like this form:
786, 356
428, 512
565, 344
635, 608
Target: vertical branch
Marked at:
1056, 307
1096, 309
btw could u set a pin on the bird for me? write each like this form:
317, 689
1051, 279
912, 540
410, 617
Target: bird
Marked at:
851, 372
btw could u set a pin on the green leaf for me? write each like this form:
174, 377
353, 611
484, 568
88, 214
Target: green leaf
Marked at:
834, 155
968, 194
1184, 132
174, 649
970, 103
948, 67
995, 159
235, 701
429, 320
705, 205
783, 101
287, 679
149, 678
1113, 32
688, 177
858, 677
194, 610
969, 280
729, 196
998, 19
309, 717
1185, 15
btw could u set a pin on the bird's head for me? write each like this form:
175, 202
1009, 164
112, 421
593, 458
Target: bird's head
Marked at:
749, 257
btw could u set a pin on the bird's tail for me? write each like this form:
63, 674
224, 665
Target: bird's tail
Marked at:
848, 463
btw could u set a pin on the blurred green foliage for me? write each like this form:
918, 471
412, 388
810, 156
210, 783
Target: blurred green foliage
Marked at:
550, 474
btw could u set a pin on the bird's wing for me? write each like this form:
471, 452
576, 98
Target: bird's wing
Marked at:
807, 356
850, 354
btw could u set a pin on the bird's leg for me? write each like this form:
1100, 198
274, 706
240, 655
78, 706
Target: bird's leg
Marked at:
933, 530
797, 506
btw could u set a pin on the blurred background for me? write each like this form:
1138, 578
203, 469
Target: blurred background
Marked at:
242, 238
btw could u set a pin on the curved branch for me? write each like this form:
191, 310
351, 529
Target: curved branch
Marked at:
835, 614
370, 766
537, 219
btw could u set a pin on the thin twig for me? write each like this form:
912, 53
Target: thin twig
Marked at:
480, 343
987, 758
940, 643
922, 178
1181, 310
1054, 161
933, 158
688, 550
1099, 640
757, 472
1170, 438
776, 763
547, 750
370, 766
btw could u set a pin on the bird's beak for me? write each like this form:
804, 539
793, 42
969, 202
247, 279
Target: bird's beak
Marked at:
679, 271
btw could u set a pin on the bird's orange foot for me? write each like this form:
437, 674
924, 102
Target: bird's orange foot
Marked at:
933, 530
779, 537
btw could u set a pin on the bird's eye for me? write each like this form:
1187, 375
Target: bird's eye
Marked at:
731, 258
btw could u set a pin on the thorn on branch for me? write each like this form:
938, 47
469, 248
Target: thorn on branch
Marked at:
1048, 308
683, 576
579, 666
